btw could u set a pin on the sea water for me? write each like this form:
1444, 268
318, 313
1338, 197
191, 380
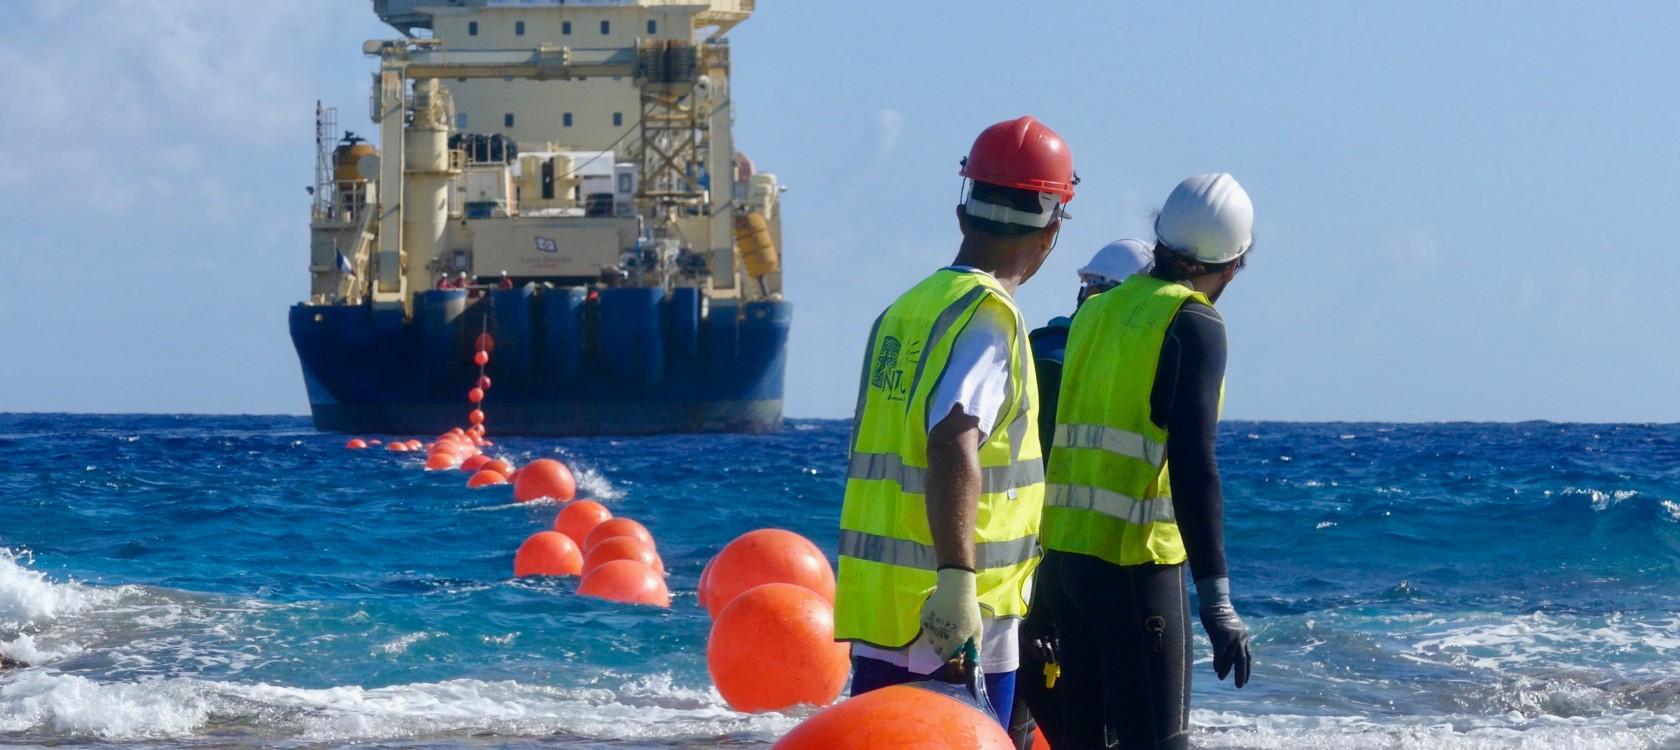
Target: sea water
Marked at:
242, 581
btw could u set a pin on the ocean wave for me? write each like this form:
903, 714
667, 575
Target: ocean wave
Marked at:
591, 483
1540, 640
46, 704
1217, 730
28, 598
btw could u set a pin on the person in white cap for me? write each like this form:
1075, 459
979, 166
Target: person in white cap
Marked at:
1141, 385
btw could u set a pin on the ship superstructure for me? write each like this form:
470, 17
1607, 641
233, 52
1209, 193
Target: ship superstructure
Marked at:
563, 176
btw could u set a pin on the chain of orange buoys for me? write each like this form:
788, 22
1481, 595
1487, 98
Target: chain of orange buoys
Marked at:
770, 594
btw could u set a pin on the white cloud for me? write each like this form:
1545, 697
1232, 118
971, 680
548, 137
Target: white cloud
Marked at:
1413, 250
889, 128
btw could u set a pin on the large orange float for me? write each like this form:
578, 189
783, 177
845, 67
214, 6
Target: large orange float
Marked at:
901, 716
773, 648
544, 477
766, 556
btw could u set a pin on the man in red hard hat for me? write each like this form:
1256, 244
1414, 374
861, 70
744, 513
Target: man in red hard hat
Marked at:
938, 532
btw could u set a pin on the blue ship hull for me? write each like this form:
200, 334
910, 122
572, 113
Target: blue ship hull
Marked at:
632, 362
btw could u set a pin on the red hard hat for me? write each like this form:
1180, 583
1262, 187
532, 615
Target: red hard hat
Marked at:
1022, 153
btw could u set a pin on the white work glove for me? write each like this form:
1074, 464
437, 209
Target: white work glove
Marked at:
951, 617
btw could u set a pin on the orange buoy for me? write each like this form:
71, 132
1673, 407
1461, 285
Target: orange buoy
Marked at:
625, 581
501, 467
375, 441
547, 553
413, 444
482, 358
474, 462
705, 575
773, 648
579, 518
544, 477
484, 382
767, 556
617, 527
486, 478
441, 461
476, 416
898, 716
451, 448
485, 342
475, 395
622, 548
356, 444
398, 447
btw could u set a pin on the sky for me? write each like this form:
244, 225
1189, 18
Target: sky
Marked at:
1464, 211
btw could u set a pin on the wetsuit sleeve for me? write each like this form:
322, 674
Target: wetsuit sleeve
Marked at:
1185, 401
1047, 361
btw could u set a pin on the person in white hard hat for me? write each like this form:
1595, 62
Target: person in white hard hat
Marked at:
1141, 385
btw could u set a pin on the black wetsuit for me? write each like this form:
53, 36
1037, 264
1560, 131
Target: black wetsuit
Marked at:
1134, 621
1035, 702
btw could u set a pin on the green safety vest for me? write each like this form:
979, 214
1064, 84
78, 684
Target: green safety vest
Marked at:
1109, 495
887, 562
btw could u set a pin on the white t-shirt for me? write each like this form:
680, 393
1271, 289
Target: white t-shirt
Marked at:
976, 382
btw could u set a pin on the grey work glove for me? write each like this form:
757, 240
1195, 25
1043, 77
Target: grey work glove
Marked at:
951, 617
1225, 629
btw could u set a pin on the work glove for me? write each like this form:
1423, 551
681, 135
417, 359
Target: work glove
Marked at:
1225, 629
951, 616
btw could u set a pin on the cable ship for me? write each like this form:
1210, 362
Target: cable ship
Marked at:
560, 175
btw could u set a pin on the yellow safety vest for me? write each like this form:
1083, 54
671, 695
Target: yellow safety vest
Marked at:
887, 561
1109, 495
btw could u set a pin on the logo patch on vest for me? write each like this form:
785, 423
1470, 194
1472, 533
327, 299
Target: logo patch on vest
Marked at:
886, 375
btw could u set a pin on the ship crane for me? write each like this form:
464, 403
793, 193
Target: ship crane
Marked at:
674, 134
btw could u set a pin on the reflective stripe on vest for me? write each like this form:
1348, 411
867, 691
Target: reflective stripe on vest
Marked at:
1158, 509
913, 479
1109, 489
888, 562
1112, 439
909, 554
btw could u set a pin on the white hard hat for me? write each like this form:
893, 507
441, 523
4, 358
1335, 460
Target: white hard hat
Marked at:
1118, 260
1208, 217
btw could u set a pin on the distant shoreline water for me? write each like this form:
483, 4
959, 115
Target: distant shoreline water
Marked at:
245, 581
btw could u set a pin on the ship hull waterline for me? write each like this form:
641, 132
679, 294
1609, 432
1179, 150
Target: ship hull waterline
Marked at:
632, 361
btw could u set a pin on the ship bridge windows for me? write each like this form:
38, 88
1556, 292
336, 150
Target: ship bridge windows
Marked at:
507, 120
606, 27
519, 28
566, 27
618, 119
472, 28
653, 26
566, 119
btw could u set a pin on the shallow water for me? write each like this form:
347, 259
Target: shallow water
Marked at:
209, 581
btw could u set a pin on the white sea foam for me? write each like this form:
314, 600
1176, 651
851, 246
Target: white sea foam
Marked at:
27, 598
1495, 642
592, 483
1672, 510
58, 705
1601, 500
401, 643
1235, 731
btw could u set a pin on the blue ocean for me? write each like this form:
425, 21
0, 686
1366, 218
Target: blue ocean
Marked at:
245, 581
